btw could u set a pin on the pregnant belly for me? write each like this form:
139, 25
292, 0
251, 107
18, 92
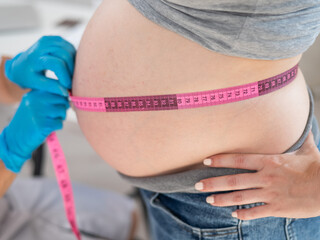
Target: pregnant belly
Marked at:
122, 53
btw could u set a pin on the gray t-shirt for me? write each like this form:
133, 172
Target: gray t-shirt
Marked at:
259, 29
184, 181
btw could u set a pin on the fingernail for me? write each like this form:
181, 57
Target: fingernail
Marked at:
234, 214
199, 186
210, 199
207, 162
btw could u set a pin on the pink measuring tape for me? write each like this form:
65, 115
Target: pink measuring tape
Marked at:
185, 100
62, 175
154, 103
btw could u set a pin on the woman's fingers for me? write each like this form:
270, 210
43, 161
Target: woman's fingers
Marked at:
238, 198
256, 161
230, 182
239, 160
254, 212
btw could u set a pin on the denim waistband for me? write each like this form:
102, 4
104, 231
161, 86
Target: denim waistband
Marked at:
184, 181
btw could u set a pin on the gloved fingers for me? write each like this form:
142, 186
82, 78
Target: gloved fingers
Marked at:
57, 66
45, 98
64, 55
55, 41
56, 112
49, 53
49, 85
8, 66
50, 125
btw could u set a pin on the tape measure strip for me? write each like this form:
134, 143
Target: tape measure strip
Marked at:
62, 175
186, 100
153, 103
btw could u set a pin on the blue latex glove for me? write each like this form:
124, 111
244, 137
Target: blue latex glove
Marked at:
28, 68
39, 114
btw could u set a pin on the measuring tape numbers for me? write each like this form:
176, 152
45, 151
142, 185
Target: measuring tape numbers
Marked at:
185, 100
63, 179
154, 103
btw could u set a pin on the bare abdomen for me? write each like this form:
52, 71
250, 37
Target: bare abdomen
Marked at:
124, 54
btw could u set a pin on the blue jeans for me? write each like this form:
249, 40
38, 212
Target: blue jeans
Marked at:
185, 216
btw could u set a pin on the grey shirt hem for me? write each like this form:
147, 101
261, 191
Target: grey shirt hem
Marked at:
185, 181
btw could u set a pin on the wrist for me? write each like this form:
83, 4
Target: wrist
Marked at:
9, 92
12, 161
3, 60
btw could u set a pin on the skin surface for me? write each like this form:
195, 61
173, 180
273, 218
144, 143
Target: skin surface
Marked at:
7, 178
10, 93
287, 184
122, 53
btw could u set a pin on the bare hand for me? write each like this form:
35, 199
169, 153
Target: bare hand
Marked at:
288, 184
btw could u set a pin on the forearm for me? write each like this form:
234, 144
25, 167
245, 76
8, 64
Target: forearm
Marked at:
6, 179
9, 92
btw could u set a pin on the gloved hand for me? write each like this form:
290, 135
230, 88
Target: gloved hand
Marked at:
27, 69
39, 114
